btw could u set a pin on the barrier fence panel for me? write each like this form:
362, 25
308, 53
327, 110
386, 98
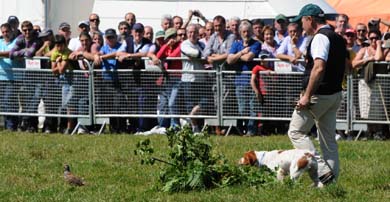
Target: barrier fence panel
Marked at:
280, 92
144, 93
370, 101
23, 93
212, 94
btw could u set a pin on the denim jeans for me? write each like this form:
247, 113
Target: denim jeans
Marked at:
30, 94
245, 102
167, 102
188, 95
140, 94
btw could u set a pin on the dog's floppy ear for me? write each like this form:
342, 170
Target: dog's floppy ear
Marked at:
249, 158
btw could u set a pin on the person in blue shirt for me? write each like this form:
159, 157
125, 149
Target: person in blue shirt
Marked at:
7, 80
110, 96
241, 54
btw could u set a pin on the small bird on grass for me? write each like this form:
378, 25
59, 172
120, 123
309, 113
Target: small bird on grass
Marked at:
70, 178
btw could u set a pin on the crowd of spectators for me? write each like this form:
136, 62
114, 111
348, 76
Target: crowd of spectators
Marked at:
230, 43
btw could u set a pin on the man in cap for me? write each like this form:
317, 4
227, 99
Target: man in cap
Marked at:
168, 102
135, 46
350, 37
14, 22
326, 62
64, 30
110, 91
129, 55
47, 38
75, 43
280, 26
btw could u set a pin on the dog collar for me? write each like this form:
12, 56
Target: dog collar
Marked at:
260, 157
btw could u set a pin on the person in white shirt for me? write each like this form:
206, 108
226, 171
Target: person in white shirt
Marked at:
74, 43
194, 85
292, 47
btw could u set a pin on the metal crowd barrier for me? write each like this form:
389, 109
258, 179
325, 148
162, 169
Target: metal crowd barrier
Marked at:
22, 94
136, 93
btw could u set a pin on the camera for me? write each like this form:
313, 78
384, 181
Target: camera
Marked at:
196, 13
373, 24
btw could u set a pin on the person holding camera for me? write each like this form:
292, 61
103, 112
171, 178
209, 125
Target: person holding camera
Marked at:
191, 14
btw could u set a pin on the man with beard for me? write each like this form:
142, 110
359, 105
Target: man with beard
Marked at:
242, 53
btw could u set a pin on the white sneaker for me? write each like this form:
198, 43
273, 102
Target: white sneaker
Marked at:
81, 131
338, 137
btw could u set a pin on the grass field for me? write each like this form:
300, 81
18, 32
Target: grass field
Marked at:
32, 170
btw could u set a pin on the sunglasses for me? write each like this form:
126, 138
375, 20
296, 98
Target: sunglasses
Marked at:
181, 34
93, 20
349, 35
172, 37
374, 38
361, 30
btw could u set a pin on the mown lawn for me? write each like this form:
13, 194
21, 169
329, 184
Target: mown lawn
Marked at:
32, 170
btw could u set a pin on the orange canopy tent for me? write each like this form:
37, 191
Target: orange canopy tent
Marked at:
363, 10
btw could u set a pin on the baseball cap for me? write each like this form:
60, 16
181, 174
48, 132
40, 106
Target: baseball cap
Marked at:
12, 19
170, 32
264, 54
309, 10
64, 25
59, 39
352, 31
45, 33
160, 34
138, 27
281, 17
110, 32
84, 22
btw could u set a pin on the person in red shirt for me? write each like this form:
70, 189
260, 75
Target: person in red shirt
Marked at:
170, 89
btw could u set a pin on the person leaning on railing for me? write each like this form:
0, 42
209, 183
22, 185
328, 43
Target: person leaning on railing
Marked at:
48, 43
169, 93
194, 84
26, 45
217, 50
242, 53
80, 55
110, 95
61, 66
8, 88
364, 60
129, 57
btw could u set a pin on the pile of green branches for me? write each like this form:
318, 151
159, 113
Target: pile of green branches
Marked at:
192, 165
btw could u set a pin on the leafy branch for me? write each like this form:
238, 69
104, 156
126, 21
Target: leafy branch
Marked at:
192, 165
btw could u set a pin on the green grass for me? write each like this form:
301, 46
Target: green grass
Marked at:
31, 169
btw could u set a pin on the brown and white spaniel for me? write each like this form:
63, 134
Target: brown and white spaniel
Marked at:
293, 162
